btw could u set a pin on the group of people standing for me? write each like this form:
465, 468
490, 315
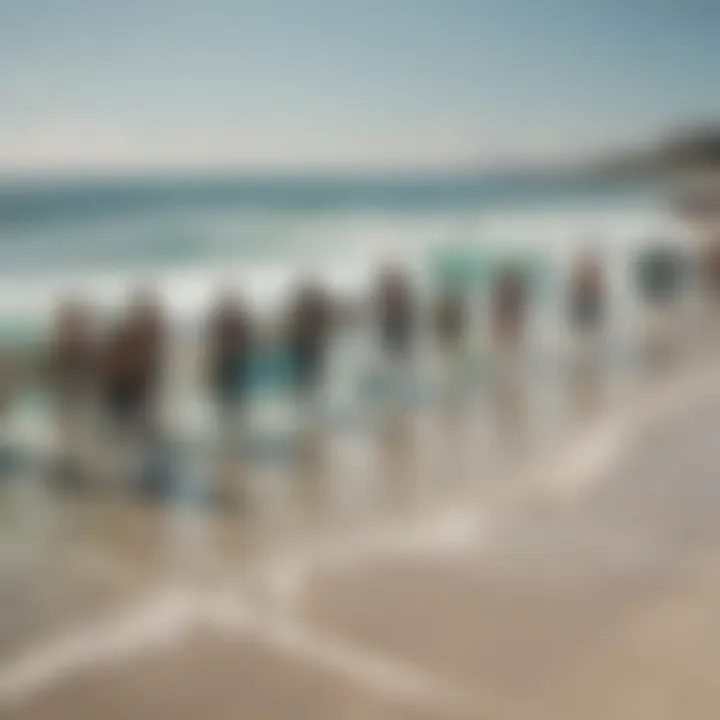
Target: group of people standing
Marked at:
120, 370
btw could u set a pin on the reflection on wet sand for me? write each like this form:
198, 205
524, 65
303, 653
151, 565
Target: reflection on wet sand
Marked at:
233, 505
510, 407
336, 485
421, 460
585, 388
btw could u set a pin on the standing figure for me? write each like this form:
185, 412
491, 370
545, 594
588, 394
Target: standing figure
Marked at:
509, 308
661, 274
307, 333
587, 293
72, 376
397, 314
132, 378
229, 348
450, 320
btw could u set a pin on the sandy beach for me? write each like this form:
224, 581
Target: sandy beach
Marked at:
563, 566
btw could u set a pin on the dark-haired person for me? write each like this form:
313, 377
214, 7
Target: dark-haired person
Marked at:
707, 278
661, 272
147, 334
132, 373
72, 375
509, 308
710, 269
450, 320
397, 314
229, 348
587, 294
450, 326
509, 301
307, 336
587, 306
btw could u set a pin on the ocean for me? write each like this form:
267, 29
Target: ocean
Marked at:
189, 235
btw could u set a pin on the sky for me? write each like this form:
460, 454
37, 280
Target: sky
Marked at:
346, 84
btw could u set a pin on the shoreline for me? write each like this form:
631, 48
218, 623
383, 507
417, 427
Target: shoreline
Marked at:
212, 588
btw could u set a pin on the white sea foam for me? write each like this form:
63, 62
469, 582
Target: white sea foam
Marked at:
341, 250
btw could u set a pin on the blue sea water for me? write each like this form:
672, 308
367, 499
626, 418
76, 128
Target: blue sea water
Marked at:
188, 235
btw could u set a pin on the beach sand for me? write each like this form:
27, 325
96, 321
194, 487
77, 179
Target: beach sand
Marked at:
556, 569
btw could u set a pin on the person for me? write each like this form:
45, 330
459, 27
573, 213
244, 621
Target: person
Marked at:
71, 362
135, 355
708, 286
509, 307
450, 319
72, 375
508, 311
308, 330
229, 346
661, 273
710, 268
131, 377
396, 314
587, 303
450, 325
587, 293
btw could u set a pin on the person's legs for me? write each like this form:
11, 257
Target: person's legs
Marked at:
660, 331
115, 440
129, 435
68, 473
152, 451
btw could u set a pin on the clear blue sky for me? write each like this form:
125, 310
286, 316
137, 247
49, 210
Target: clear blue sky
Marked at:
345, 83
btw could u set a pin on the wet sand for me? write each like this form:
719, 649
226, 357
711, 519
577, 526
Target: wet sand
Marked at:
557, 569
